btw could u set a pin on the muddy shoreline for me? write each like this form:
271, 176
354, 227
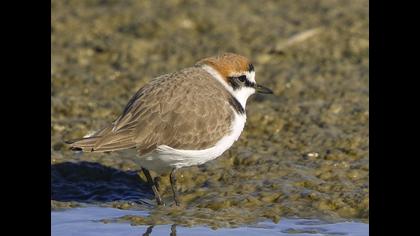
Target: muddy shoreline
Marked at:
304, 152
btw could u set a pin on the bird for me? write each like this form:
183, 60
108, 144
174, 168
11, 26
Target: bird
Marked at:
181, 119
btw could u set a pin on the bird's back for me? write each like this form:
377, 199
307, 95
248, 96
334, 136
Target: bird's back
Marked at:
188, 109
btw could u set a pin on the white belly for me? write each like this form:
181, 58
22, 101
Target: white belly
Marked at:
165, 158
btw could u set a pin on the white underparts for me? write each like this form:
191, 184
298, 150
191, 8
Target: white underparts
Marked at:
165, 158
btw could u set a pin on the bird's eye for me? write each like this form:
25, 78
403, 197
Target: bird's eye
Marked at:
242, 78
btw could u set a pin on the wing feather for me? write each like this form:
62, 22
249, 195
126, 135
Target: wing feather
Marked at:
183, 110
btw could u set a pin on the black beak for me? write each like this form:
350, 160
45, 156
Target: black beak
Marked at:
262, 89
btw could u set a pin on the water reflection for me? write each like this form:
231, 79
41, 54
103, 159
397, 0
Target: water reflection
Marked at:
89, 221
150, 228
173, 230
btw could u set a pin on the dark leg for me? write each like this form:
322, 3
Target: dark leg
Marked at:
152, 184
148, 231
172, 178
157, 180
173, 230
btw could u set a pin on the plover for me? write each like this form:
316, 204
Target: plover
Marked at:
181, 119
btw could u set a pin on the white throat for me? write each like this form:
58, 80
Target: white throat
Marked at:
241, 94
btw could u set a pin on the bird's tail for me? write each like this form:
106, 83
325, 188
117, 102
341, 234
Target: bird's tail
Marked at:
83, 144
104, 140
101, 144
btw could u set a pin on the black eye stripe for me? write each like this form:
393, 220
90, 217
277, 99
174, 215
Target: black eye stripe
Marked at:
233, 81
239, 81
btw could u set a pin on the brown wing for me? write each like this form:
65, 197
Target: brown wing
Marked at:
184, 110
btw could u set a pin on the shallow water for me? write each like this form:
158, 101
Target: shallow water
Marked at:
87, 221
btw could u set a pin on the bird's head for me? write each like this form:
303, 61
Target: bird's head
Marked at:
236, 73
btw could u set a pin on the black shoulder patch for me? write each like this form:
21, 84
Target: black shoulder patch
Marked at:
236, 105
